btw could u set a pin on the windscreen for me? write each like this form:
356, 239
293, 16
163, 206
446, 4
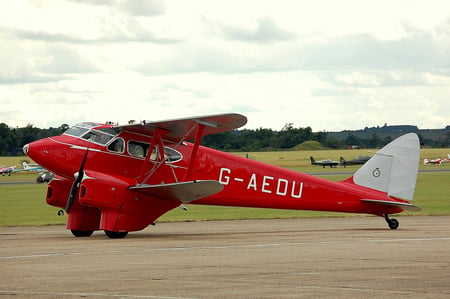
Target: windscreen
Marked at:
85, 130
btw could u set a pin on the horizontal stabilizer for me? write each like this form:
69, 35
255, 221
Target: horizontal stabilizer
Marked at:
183, 192
397, 204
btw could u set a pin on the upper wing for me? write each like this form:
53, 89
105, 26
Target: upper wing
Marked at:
184, 128
183, 192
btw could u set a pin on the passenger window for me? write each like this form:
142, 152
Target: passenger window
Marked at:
117, 146
137, 149
171, 155
140, 149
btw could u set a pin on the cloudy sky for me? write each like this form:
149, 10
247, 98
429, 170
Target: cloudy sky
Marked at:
331, 65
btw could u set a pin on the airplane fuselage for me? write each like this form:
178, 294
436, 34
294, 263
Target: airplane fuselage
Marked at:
246, 182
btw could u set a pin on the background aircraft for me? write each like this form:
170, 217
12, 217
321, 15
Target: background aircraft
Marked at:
44, 176
324, 163
356, 161
122, 178
439, 161
7, 170
32, 167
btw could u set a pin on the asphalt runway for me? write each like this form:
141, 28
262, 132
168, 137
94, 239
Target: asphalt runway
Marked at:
355, 257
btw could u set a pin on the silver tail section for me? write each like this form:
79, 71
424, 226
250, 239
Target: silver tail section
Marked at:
393, 169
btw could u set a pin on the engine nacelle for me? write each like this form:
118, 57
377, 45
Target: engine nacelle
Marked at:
103, 191
58, 192
121, 209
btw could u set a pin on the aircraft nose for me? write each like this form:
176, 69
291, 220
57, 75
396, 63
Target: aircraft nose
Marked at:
25, 149
36, 150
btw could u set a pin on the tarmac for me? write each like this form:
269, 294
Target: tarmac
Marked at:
353, 257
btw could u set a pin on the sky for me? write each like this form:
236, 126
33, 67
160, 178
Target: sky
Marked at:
329, 65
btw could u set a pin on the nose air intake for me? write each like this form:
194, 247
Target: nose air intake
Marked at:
25, 149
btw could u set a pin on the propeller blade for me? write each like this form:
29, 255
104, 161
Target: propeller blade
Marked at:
76, 183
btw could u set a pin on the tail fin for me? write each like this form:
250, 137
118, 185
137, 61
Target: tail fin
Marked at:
393, 169
312, 159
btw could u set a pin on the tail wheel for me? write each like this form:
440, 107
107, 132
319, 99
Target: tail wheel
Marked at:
81, 233
393, 223
116, 235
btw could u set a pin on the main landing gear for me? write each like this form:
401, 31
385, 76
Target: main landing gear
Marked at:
81, 233
110, 234
393, 223
116, 235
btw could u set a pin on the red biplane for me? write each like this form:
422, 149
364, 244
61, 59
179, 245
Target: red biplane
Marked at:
122, 178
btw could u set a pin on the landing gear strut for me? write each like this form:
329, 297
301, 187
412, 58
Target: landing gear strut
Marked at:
393, 223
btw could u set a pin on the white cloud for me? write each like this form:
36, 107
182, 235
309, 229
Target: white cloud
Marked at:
330, 65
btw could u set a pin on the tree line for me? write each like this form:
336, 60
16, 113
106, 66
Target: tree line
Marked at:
13, 139
289, 138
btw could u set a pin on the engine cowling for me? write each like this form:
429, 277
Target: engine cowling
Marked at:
58, 192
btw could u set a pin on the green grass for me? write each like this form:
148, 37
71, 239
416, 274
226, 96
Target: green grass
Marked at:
433, 193
25, 204
15, 160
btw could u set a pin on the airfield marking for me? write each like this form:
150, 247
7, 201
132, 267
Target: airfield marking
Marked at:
224, 247
15, 293
357, 289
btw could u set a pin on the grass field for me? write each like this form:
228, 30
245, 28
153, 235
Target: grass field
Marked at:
25, 204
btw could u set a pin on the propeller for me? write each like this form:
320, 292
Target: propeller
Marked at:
76, 183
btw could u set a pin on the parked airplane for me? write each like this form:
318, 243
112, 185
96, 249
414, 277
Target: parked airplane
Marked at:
7, 170
356, 161
324, 163
45, 177
122, 178
439, 161
32, 167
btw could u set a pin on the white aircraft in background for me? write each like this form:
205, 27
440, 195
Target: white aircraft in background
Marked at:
32, 167
44, 176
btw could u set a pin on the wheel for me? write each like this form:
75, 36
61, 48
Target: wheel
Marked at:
393, 223
116, 235
81, 233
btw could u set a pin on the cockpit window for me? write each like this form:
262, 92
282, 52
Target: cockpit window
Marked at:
98, 137
76, 131
86, 131
79, 129
109, 131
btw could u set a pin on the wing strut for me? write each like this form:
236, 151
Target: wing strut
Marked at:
157, 143
198, 138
